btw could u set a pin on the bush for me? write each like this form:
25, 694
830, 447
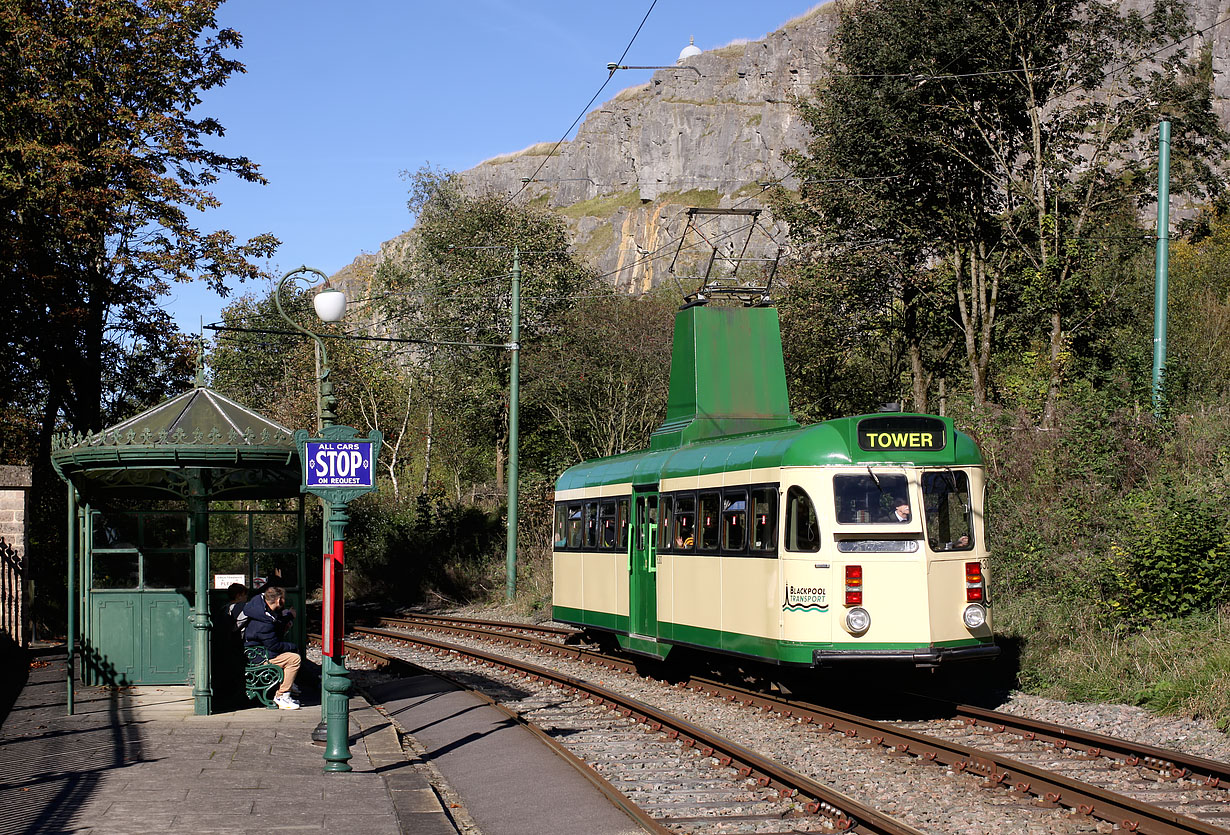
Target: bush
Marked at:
403, 552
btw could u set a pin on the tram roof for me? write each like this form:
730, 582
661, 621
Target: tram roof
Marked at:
831, 443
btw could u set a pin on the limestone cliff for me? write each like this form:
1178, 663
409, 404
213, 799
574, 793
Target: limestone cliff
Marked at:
707, 133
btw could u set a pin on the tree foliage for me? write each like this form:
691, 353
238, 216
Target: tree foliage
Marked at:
104, 160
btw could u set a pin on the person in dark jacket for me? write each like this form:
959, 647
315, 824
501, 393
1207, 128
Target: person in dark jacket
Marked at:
268, 619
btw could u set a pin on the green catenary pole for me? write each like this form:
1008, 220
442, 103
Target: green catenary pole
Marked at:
1163, 263
510, 586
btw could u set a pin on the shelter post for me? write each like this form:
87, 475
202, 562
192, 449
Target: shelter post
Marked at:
198, 508
72, 588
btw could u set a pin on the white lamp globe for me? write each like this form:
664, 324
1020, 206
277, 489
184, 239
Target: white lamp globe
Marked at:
330, 304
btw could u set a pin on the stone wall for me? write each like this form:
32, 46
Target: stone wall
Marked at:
14, 508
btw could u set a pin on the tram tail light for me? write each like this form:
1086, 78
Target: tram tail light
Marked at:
854, 585
975, 583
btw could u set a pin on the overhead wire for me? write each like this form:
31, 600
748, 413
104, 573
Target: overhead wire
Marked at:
585, 109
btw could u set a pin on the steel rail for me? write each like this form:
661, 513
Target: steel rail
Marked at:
1052, 788
848, 814
1173, 764
609, 791
559, 631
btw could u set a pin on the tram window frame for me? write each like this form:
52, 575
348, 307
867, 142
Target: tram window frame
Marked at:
576, 526
729, 499
590, 527
621, 522
709, 527
666, 521
937, 514
769, 519
606, 525
879, 492
560, 539
678, 540
789, 508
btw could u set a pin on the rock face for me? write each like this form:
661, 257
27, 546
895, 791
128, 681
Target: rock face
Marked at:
709, 133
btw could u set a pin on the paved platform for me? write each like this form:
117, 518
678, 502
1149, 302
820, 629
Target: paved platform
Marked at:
136, 760
508, 781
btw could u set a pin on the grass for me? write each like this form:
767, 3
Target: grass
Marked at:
700, 198
603, 206
1176, 667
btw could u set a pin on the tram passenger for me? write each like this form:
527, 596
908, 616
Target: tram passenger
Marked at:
901, 512
683, 532
268, 620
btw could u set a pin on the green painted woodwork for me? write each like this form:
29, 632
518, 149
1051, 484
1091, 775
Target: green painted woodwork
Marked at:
727, 376
138, 637
833, 442
643, 580
771, 649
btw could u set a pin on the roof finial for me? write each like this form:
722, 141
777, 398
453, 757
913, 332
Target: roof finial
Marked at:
688, 51
200, 361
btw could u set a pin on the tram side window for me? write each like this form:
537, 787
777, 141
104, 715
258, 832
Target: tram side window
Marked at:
574, 526
666, 510
764, 519
606, 524
861, 499
621, 521
685, 522
950, 515
708, 522
802, 526
591, 524
561, 525
734, 519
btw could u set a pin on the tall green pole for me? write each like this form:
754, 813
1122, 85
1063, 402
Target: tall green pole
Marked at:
1161, 272
510, 585
72, 590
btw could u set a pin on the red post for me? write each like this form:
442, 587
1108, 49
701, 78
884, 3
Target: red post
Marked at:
334, 630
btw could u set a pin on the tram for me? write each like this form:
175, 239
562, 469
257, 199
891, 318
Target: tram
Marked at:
740, 532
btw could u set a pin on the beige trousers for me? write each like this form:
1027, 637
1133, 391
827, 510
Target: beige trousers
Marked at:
289, 662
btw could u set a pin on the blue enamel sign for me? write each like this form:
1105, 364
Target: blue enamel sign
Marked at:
339, 464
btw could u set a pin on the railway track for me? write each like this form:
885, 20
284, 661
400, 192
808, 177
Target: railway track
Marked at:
669, 774
1154, 790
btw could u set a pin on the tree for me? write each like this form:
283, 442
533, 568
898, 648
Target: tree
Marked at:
451, 284
993, 139
102, 159
603, 375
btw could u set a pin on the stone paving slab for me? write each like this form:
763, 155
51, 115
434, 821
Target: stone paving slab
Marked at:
136, 760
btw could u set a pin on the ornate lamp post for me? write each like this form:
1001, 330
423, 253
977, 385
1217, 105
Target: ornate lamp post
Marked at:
330, 305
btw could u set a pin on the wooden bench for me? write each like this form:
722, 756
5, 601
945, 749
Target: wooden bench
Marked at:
260, 678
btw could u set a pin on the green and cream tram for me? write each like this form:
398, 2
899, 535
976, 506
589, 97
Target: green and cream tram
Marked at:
739, 531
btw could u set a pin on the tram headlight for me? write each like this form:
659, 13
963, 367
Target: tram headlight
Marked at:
974, 616
858, 620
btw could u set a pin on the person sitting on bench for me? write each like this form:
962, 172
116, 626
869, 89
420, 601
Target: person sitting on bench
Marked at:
266, 626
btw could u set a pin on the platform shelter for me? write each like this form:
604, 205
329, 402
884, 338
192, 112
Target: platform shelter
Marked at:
166, 510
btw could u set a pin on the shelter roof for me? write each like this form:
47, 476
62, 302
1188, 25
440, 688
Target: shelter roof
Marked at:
247, 454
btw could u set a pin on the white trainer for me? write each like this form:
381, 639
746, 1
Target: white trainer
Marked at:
286, 702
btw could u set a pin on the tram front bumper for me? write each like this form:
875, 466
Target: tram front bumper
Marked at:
921, 657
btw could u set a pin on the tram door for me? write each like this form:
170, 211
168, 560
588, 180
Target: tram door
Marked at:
643, 567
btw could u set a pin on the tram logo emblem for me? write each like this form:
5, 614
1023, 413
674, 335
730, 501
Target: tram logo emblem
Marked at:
805, 599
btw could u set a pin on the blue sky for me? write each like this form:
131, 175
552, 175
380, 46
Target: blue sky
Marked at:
338, 99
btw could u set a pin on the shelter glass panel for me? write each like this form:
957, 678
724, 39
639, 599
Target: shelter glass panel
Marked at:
116, 569
228, 562
115, 530
165, 530
275, 530
228, 530
167, 569
277, 568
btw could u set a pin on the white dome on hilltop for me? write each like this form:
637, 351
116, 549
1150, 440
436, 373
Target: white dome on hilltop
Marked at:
688, 51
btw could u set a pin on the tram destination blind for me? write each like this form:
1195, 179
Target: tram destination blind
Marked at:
339, 464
